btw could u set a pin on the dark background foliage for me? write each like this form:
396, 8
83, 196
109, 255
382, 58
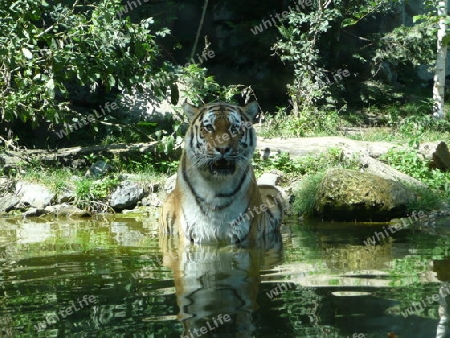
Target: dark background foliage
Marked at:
64, 60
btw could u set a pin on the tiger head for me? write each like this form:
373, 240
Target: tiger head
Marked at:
220, 139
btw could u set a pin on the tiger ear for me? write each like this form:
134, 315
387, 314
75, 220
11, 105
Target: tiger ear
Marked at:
252, 109
190, 110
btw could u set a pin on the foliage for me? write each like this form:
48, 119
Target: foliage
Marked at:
200, 88
299, 46
308, 122
153, 165
305, 194
409, 123
412, 163
90, 192
333, 157
311, 42
404, 44
47, 48
427, 199
355, 11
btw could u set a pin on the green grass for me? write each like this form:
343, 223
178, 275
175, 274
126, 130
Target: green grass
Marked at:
410, 162
56, 180
305, 194
300, 166
306, 123
91, 193
400, 123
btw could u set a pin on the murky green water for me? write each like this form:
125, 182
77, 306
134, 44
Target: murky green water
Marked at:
110, 278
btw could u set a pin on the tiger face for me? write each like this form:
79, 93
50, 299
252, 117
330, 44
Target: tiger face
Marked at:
220, 138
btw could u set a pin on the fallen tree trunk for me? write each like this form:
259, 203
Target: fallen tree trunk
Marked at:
76, 157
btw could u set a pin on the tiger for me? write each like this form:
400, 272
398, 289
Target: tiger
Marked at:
216, 198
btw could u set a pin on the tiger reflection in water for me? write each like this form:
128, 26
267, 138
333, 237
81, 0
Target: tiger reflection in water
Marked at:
216, 201
218, 280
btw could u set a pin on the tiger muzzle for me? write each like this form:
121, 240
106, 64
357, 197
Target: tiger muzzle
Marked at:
222, 167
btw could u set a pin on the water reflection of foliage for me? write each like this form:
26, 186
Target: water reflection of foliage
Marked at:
306, 310
412, 274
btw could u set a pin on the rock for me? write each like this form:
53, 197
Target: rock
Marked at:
34, 195
10, 163
127, 195
98, 169
366, 152
299, 147
33, 212
348, 195
126, 176
271, 178
8, 202
66, 210
66, 196
5, 184
378, 168
151, 200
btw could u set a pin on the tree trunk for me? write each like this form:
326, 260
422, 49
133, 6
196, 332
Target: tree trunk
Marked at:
439, 76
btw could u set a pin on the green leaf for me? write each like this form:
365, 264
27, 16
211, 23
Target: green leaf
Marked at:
26, 52
50, 84
111, 81
348, 22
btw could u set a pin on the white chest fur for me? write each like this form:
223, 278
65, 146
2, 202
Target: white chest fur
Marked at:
210, 209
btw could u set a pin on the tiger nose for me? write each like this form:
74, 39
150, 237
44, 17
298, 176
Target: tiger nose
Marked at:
223, 150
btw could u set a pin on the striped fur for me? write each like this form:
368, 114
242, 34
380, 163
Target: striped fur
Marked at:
216, 198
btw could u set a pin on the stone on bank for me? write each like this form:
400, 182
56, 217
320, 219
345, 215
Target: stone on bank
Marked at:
349, 195
34, 195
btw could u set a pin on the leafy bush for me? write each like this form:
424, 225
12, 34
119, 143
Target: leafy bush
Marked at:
413, 164
91, 194
299, 45
201, 88
47, 48
332, 35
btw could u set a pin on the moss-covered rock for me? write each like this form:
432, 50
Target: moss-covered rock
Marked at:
349, 195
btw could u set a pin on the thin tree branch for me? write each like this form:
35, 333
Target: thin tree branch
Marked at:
202, 19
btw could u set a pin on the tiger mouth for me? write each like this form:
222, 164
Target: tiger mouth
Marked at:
222, 167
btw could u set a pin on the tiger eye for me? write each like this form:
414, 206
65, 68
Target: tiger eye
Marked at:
209, 128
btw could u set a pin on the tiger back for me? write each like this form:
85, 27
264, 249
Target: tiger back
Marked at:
216, 198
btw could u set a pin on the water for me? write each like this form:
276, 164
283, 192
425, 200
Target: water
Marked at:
111, 277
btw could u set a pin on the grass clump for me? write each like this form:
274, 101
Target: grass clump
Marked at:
57, 180
91, 194
294, 167
305, 194
305, 123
